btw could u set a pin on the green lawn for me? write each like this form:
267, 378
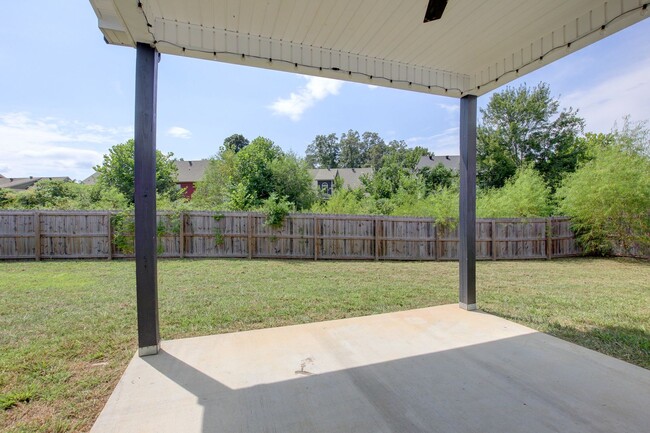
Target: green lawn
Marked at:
67, 328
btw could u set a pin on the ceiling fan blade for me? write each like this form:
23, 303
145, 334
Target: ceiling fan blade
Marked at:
434, 10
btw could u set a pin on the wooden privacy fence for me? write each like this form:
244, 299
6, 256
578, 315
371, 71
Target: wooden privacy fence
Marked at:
76, 235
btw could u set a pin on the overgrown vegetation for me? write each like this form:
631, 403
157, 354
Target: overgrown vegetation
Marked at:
68, 328
608, 198
533, 161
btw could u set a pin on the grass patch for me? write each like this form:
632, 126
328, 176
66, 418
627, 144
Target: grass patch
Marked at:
7, 401
68, 329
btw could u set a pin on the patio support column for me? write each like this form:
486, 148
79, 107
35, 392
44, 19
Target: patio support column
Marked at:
467, 226
146, 256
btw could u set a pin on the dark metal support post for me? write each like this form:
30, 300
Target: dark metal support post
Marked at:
146, 269
467, 226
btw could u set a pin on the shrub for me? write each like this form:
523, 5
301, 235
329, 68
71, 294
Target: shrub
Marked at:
608, 200
525, 195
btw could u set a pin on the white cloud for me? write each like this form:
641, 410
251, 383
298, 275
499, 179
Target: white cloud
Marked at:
53, 147
621, 93
444, 143
450, 108
178, 132
296, 104
372, 86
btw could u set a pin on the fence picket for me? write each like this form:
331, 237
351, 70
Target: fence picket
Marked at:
306, 236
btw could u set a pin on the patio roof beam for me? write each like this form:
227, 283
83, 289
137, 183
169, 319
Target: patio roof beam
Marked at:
467, 211
146, 256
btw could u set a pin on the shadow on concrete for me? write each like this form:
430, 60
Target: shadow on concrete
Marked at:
528, 383
622, 342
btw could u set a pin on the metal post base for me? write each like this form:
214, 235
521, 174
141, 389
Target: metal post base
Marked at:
470, 307
148, 351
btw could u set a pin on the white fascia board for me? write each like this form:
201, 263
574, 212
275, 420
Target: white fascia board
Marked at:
562, 41
122, 21
192, 40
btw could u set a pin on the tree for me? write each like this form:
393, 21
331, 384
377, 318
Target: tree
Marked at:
354, 151
212, 191
235, 143
377, 148
522, 125
323, 152
608, 198
253, 168
524, 195
247, 179
437, 177
118, 171
292, 181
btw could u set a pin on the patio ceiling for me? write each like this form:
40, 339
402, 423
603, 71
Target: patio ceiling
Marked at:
473, 48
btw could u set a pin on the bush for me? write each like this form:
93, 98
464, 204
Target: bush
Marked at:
276, 209
608, 200
525, 195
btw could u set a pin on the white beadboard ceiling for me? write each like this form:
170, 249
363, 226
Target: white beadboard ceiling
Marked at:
476, 46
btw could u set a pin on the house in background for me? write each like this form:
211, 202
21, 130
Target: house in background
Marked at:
23, 183
325, 178
91, 180
189, 172
451, 162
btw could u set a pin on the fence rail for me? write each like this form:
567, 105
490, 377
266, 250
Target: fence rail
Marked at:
76, 235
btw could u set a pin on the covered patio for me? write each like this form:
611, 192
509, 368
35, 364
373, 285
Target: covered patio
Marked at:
439, 369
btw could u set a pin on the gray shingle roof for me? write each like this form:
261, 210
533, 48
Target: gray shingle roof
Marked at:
191, 171
21, 183
448, 161
351, 177
188, 171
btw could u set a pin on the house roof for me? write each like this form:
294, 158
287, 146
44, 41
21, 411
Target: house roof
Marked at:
323, 173
188, 171
474, 47
21, 183
191, 171
451, 162
91, 180
352, 176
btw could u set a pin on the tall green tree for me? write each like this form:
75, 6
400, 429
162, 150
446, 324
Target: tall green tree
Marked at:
354, 151
525, 125
235, 143
118, 171
376, 149
323, 152
247, 179
292, 181
253, 168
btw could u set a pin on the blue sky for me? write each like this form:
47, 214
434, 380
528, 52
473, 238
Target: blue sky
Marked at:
66, 96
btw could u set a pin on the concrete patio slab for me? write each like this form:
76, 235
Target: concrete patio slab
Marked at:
439, 369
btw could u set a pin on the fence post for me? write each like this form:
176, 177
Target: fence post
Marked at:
493, 242
548, 233
377, 241
181, 235
249, 233
37, 236
110, 235
438, 243
315, 238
